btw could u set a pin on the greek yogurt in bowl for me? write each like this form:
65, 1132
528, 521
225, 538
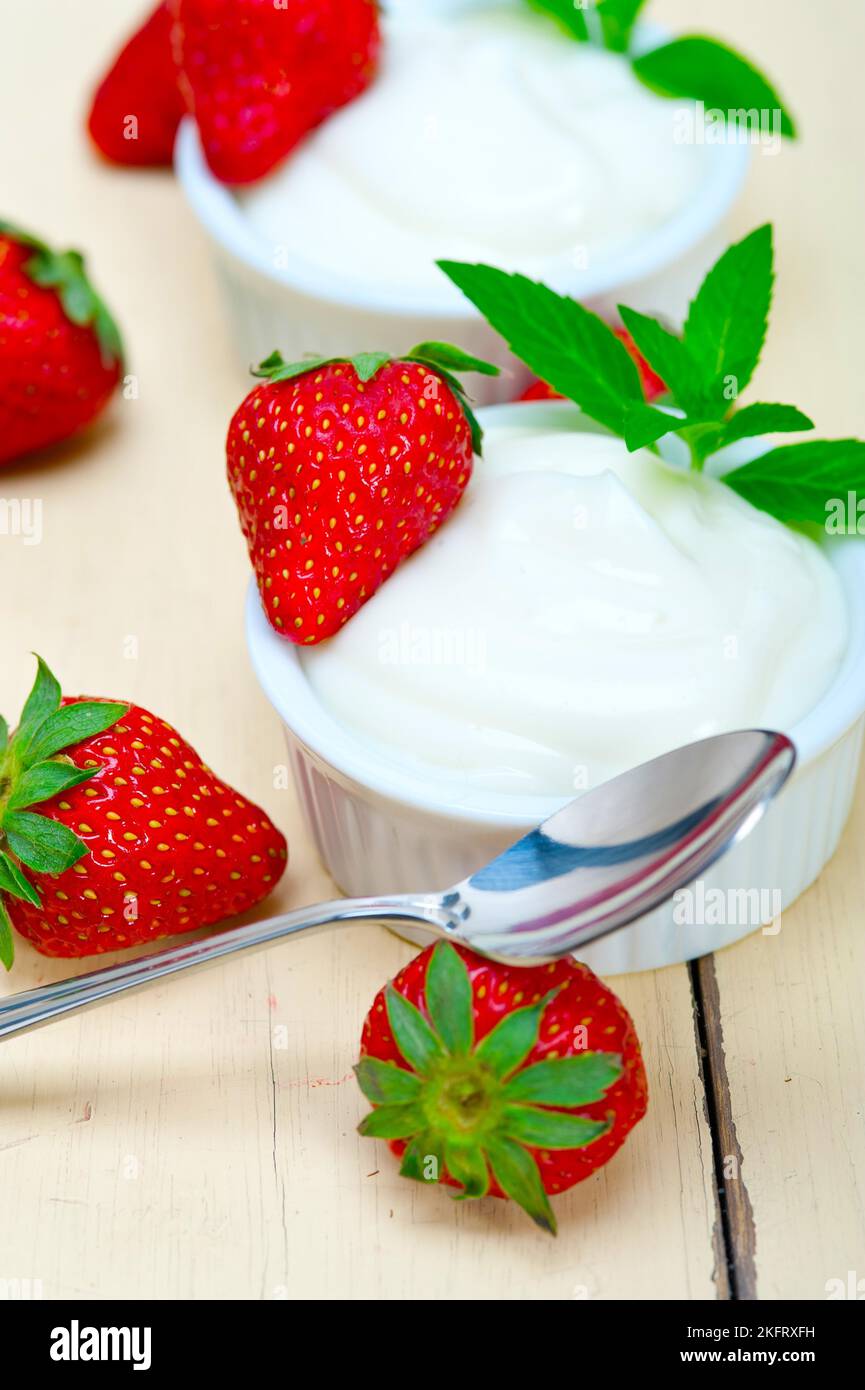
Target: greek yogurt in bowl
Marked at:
488, 135
583, 610
603, 609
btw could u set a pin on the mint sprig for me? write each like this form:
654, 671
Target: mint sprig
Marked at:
694, 66
705, 367
476, 1111
34, 768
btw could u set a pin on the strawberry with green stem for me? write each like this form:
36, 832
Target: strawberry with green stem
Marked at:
505, 1081
113, 832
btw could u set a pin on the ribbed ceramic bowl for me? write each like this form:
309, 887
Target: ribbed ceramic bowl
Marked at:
380, 829
301, 308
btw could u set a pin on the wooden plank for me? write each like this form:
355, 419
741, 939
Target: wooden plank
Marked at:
178, 1143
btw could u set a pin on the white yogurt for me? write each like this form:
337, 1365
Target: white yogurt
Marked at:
584, 609
488, 135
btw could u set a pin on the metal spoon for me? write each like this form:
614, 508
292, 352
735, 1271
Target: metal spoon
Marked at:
599, 863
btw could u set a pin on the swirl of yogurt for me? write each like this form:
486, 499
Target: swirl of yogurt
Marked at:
583, 610
488, 135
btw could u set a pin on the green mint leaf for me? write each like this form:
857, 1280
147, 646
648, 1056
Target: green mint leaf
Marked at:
517, 1175
618, 18
13, 881
384, 1083
802, 482
704, 69
45, 780
570, 17
7, 941
563, 343
550, 1129
726, 324
423, 1158
568, 1081
448, 992
757, 419
451, 358
468, 1165
44, 699
644, 425
71, 725
412, 1034
508, 1045
43, 845
391, 1122
668, 355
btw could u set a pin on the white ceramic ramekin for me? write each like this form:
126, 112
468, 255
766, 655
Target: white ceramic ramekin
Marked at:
379, 829
299, 308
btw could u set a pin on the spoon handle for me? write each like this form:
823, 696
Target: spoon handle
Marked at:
36, 1007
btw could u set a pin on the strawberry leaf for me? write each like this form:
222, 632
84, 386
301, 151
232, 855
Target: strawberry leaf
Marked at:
71, 725
391, 1122
13, 881
566, 1081
448, 993
43, 845
550, 1129
708, 71
4, 734
508, 1045
44, 699
384, 1083
7, 941
423, 1159
467, 1164
44, 780
412, 1034
517, 1175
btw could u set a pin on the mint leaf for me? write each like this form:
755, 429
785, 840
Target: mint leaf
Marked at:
7, 941
4, 734
448, 991
551, 1129
704, 69
726, 324
759, 419
570, 16
669, 356
618, 18
71, 725
645, 425
43, 845
451, 358
566, 1081
798, 482
412, 1034
563, 343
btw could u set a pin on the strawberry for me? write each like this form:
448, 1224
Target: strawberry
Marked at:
340, 469
652, 385
60, 352
138, 105
134, 837
259, 76
507, 1081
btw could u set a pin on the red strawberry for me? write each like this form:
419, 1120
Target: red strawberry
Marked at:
652, 385
60, 352
259, 76
504, 1081
342, 469
114, 832
138, 105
